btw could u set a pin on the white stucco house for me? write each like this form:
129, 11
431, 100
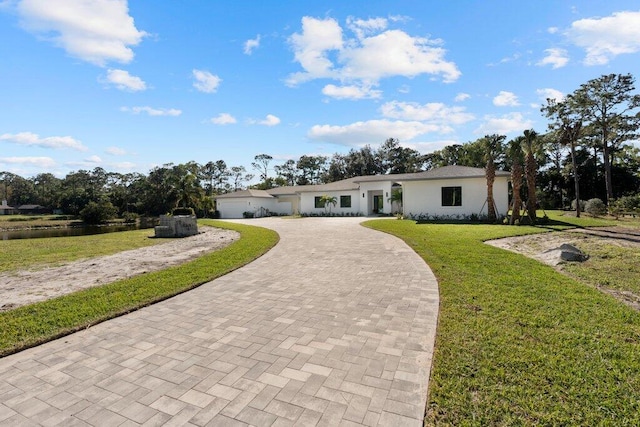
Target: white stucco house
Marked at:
447, 192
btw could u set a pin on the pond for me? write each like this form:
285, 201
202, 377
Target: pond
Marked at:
64, 231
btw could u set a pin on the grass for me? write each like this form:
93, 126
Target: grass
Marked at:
40, 322
517, 342
36, 253
609, 266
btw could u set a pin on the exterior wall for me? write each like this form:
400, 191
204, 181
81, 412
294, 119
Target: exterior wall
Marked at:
286, 205
307, 202
379, 188
425, 197
230, 208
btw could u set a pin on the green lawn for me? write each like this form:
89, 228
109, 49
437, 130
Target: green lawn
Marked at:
37, 253
518, 343
37, 323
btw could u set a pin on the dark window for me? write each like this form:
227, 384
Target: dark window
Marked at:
451, 196
318, 202
345, 201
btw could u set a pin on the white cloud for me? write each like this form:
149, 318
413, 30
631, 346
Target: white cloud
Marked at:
508, 123
251, 44
270, 120
462, 97
32, 139
549, 93
412, 56
223, 119
312, 46
205, 81
506, 99
370, 132
507, 59
430, 146
605, 38
362, 28
93, 159
96, 31
40, 162
556, 57
116, 151
125, 81
152, 111
552, 30
351, 92
434, 112
322, 52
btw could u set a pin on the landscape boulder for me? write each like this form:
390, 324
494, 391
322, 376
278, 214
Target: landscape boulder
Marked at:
567, 252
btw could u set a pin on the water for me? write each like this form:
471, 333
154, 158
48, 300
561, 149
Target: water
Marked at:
65, 231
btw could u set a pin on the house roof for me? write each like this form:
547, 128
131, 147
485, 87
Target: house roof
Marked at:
246, 193
28, 207
437, 173
343, 185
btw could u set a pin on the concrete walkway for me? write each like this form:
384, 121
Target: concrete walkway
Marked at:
334, 326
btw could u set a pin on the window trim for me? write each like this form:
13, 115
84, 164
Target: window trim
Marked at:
345, 197
452, 195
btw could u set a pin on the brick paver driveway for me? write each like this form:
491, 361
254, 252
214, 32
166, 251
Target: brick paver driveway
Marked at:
334, 326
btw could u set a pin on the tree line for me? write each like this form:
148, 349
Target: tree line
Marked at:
585, 153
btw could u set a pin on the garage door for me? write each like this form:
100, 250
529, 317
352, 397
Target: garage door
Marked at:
232, 209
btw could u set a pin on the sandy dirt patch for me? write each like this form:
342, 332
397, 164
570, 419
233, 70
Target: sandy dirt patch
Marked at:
26, 287
540, 247
537, 246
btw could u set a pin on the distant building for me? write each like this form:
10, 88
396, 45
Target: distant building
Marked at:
32, 209
6, 209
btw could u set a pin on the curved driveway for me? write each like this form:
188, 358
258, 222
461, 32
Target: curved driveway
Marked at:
333, 326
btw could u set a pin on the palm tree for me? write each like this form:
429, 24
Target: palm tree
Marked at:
493, 148
396, 197
517, 172
529, 146
327, 201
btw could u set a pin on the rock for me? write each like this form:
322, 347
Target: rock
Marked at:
567, 252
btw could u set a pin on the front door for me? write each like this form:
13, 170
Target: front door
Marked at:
378, 204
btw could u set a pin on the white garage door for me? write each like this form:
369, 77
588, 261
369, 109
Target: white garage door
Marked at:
232, 209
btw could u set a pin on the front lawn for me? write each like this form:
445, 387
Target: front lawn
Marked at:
37, 323
517, 342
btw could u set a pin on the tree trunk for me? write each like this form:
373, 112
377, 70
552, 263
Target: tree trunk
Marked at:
491, 176
516, 185
531, 168
575, 177
606, 157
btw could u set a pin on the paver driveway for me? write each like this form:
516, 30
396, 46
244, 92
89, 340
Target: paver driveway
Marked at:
334, 326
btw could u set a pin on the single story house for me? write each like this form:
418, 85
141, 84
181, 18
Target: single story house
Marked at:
6, 209
32, 209
446, 192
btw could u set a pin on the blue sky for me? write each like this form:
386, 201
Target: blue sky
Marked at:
128, 86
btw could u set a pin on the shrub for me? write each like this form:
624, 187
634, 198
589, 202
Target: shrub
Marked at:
98, 212
182, 212
582, 205
130, 217
625, 205
247, 214
595, 207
